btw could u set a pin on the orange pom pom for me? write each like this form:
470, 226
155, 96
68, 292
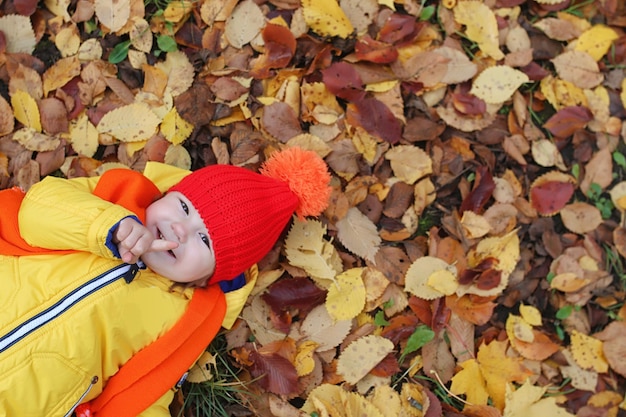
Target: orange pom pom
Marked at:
307, 176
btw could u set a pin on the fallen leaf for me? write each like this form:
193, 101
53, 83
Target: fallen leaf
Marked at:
581, 217
409, 163
596, 41
528, 400
488, 375
579, 68
346, 296
326, 18
361, 356
358, 234
18, 33
481, 26
113, 14
587, 352
498, 83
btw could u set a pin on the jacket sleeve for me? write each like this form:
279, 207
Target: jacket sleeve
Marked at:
63, 214
161, 407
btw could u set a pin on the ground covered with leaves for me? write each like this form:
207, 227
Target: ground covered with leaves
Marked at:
471, 260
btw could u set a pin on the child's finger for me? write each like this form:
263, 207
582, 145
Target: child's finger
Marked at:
162, 245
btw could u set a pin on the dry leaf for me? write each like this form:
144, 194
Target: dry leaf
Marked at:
529, 400
346, 296
409, 163
306, 248
581, 217
579, 68
319, 327
359, 234
112, 13
497, 84
587, 352
18, 33
326, 18
131, 123
419, 273
596, 41
244, 24
481, 26
26, 110
361, 356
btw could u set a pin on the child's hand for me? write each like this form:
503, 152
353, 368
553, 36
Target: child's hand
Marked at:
133, 240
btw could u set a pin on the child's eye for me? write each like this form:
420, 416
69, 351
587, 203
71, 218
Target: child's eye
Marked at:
206, 240
184, 206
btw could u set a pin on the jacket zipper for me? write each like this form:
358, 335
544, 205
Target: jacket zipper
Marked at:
22, 330
93, 382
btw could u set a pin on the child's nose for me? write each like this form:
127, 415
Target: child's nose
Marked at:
180, 230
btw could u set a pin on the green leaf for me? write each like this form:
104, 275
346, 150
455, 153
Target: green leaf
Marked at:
564, 312
550, 277
427, 12
422, 335
167, 43
119, 52
619, 159
380, 319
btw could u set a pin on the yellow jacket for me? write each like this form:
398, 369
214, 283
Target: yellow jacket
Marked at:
67, 324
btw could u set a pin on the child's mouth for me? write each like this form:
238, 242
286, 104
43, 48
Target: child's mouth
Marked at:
160, 235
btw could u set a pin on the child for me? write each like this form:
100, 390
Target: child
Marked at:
92, 313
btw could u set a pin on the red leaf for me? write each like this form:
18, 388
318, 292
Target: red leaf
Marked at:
387, 367
298, 293
535, 71
25, 7
400, 327
568, 120
489, 279
421, 308
481, 193
280, 46
399, 28
376, 118
344, 81
276, 374
551, 197
468, 104
368, 49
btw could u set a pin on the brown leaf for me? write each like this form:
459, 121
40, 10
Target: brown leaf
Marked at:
568, 120
281, 121
376, 118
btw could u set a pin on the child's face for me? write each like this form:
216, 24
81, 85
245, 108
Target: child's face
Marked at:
174, 218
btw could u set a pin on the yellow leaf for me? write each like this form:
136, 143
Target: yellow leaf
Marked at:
60, 73
304, 362
498, 83
568, 282
481, 26
177, 156
518, 329
409, 163
443, 281
416, 280
201, 370
26, 110
361, 356
504, 248
177, 10
131, 123
365, 143
561, 93
596, 41
359, 234
326, 18
490, 373
470, 381
175, 128
346, 297
528, 401
587, 352
622, 95
84, 136
531, 314
386, 398
306, 248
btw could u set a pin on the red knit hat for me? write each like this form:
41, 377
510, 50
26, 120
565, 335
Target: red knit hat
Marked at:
245, 212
